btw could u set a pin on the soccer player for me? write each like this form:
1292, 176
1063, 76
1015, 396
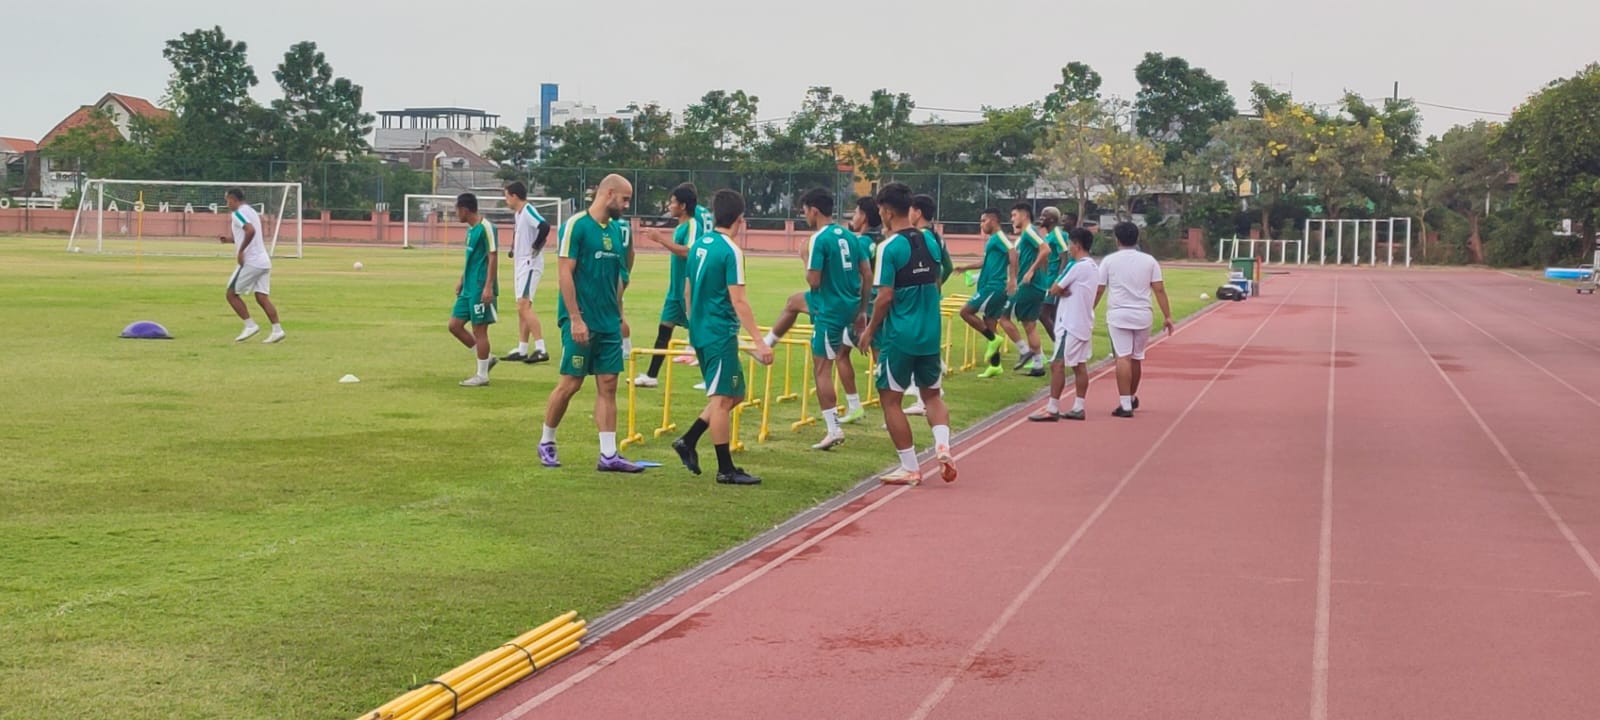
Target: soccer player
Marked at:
1033, 261
684, 207
717, 309
907, 316
997, 282
253, 275
836, 274
593, 249
477, 289
1074, 329
1056, 231
1128, 276
527, 255
923, 212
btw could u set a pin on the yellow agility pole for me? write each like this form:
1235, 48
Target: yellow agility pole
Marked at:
632, 436
806, 392
766, 409
468, 683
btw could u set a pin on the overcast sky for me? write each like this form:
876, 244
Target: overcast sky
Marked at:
1475, 54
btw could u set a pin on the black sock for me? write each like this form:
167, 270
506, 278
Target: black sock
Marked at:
724, 460
988, 335
692, 437
663, 338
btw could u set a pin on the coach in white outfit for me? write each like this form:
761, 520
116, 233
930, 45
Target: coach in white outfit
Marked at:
1128, 276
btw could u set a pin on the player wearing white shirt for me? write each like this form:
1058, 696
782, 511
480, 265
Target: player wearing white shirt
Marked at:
1074, 328
1127, 278
527, 255
254, 272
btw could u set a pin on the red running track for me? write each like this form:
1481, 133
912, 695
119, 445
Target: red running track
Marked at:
1364, 495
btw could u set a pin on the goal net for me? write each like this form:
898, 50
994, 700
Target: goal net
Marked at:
173, 217
430, 220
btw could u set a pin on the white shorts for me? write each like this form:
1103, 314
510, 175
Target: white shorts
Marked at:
1129, 343
247, 280
1072, 351
527, 276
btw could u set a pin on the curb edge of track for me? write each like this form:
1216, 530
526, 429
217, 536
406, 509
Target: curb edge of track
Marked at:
684, 582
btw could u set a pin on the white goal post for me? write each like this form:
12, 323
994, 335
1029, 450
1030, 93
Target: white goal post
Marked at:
182, 217
428, 221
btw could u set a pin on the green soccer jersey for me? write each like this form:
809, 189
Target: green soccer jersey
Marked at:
1057, 242
482, 245
600, 251
1029, 247
706, 223
947, 266
832, 252
914, 324
715, 264
996, 264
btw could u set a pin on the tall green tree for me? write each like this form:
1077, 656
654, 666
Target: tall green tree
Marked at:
1069, 148
516, 151
1553, 141
879, 129
1079, 83
219, 129
1469, 171
319, 118
721, 127
1178, 104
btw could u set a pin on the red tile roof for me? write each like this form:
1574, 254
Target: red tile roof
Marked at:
80, 117
18, 145
137, 105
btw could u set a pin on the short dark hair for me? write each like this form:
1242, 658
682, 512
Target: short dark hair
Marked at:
869, 207
727, 206
1024, 206
686, 195
1082, 238
518, 190
895, 196
236, 193
925, 205
467, 201
1127, 233
995, 212
818, 198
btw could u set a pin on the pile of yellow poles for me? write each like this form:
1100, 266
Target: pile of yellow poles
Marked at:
453, 692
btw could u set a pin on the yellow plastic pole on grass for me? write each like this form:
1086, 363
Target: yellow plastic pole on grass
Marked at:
138, 237
766, 409
632, 436
805, 394
475, 686
667, 425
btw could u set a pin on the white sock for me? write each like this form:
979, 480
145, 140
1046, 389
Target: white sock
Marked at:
1077, 404
831, 417
1022, 347
276, 327
548, 436
941, 436
250, 323
539, 345
1054, 406
908, 459
627, 346
608, 444
1127, 402
522, 348
1038, 361
771, 339
853, 402
483, 368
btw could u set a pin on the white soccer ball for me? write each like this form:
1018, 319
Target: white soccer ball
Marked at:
358, 265
77, 249
1204, 296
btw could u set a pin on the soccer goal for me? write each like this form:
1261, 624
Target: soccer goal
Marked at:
430, 220
178, 217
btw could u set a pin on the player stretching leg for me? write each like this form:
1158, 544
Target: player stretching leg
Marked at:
717, 309
1033, 259
907, 314
477, 289
1056, 231
836, 275
253, 275
683, 207
593, 250
1074, 329
527, 255
997, 282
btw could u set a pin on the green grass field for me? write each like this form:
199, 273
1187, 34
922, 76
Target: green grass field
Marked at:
198, 529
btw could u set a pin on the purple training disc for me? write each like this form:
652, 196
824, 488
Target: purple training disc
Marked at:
146, 330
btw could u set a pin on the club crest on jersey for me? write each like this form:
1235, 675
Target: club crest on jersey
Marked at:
605, 242
577, 362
